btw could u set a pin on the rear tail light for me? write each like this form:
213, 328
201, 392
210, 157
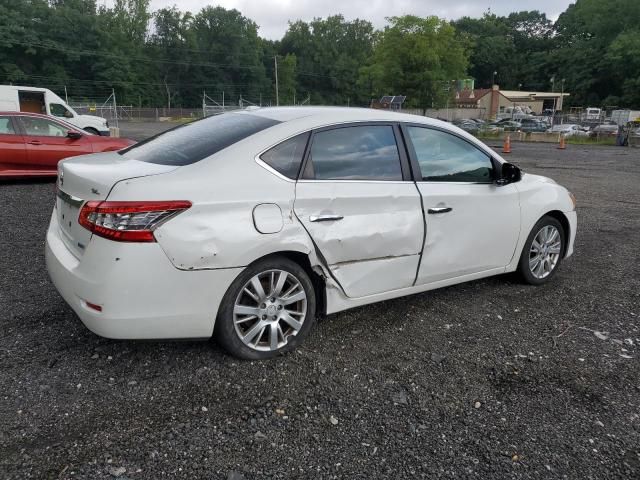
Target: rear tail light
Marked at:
128, 221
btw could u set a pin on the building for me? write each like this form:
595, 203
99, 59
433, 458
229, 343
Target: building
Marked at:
494, 101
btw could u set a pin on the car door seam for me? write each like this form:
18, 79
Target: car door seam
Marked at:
319, 254
410, 161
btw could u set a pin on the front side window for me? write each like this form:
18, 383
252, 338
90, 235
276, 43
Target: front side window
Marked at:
446, 158
195, 141
58, 110
286, 157
41, 127
6, 127
367, 152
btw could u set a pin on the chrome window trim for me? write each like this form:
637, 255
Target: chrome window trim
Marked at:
386, 182
440, 182
267, 167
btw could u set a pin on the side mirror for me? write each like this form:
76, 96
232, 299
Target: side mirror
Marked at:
509, 174
73, 135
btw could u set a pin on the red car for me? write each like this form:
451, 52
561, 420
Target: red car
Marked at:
32, 144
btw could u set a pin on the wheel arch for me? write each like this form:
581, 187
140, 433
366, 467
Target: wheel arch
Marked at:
317, 280
564, 221
303, 259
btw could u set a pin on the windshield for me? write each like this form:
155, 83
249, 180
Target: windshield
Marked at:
192, 142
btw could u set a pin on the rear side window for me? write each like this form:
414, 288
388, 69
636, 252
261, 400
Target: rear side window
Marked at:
367, 152
286, 157
195, 141
6, 128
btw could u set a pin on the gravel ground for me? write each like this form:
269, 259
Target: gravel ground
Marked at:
489, 379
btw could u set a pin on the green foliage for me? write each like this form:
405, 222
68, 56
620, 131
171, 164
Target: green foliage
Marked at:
419, 58
513, 47
329, 55
172, 57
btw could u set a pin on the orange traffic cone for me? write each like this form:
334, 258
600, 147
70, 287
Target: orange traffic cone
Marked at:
507, 145
563, 144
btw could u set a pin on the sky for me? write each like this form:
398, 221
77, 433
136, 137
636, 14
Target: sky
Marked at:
273, 16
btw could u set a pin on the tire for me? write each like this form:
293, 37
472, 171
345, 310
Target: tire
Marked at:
92, 131
270, 326
538, 265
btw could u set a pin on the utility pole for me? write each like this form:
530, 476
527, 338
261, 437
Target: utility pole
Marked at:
115, 106
66, 100
275, 61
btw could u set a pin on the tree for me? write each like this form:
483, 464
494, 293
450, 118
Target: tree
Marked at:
591, 38
515, 47
329, 54
417, 57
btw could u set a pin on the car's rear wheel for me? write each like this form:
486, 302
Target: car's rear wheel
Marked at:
542, 252
268, 310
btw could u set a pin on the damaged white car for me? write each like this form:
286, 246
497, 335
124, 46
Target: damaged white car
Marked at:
246, 225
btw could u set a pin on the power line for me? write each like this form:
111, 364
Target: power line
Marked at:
95, 53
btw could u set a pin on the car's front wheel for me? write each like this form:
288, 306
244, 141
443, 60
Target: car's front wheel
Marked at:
542, 252
268, 310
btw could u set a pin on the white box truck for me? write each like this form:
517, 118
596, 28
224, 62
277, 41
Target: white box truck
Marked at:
622, 117
41, 100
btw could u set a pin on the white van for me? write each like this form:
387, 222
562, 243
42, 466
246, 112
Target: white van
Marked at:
42, 100
593, 114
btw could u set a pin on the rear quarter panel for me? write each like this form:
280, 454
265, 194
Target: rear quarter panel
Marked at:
218, 231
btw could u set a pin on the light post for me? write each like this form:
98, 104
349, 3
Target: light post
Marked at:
493, 78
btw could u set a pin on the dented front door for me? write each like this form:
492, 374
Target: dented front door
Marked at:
369, 232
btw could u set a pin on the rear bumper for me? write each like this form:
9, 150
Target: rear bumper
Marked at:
142, 295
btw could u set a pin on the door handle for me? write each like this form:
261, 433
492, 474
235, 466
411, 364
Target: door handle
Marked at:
35, 142
435, 210
325, 218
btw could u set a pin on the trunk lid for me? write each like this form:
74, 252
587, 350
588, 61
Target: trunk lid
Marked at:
91, 177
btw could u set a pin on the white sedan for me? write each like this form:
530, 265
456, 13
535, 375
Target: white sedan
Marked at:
570, 130
245, 225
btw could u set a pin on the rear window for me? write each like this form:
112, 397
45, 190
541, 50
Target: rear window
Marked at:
195, 141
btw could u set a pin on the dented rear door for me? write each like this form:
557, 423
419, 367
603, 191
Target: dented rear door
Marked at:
365, 219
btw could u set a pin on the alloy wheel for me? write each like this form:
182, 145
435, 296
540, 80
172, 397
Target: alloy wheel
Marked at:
269, 310
545, 251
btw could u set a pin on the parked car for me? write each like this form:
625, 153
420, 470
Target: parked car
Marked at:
569, 130
489, 129
469, 126
32, 144
246, 225
508, 125
529, 125
44, 101
604, 130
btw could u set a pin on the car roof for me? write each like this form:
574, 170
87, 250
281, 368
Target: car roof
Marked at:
328, 115
40, 115
25, 114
